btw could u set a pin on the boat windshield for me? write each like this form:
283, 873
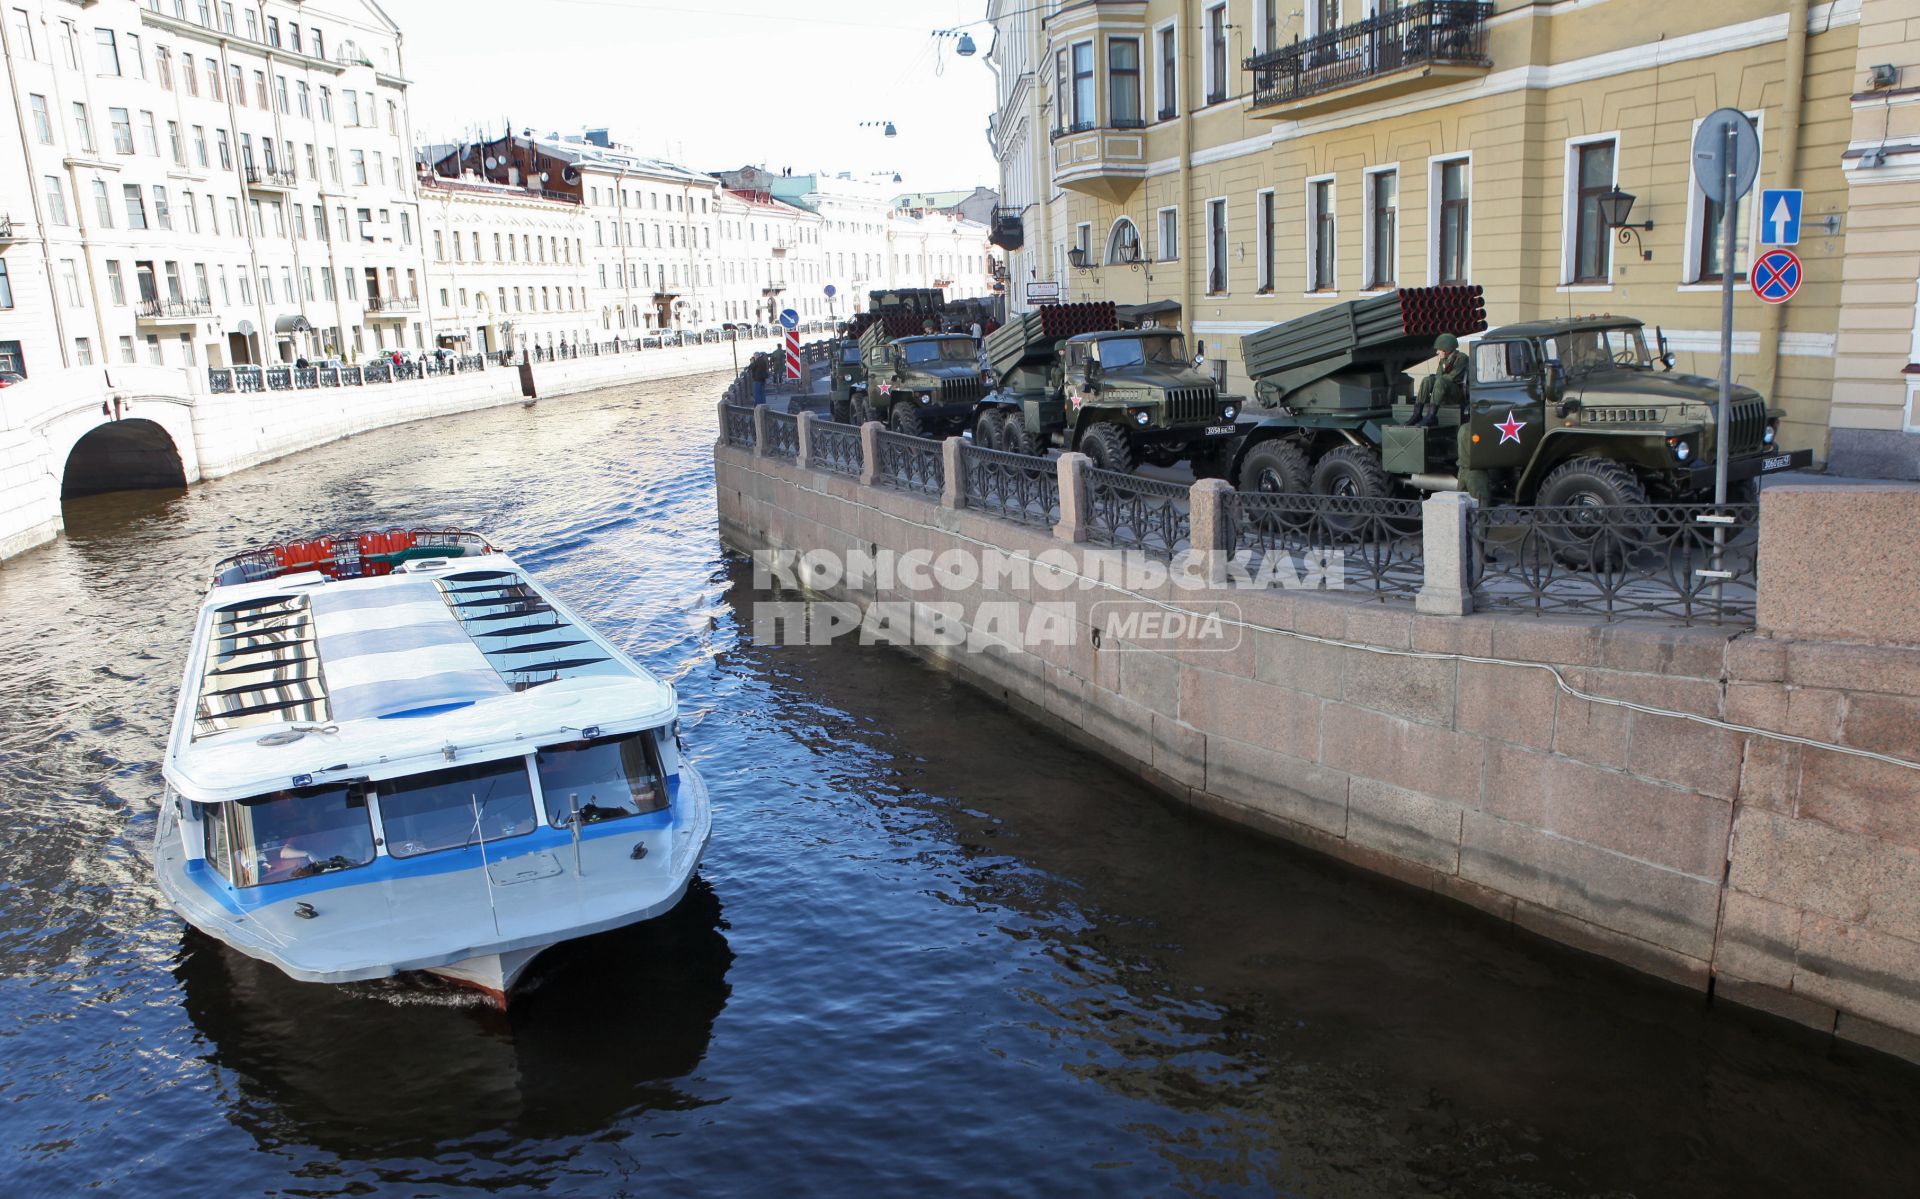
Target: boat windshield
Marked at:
948, 349
1169, 349
292, 834
451, 809
606, 779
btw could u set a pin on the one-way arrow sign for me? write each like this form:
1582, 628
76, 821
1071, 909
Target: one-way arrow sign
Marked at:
1780, 216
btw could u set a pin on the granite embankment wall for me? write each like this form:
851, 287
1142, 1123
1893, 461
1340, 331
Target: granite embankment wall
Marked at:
217, 434
1544, 771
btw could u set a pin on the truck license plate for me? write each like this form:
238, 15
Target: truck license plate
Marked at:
1780, 463
1219, 430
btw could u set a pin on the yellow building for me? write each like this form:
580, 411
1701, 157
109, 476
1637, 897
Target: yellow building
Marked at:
1256, 159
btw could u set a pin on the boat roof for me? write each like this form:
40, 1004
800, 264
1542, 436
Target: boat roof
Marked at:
305, 677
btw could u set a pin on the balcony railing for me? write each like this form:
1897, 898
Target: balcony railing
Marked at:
258, 177
174, 310
6, 228
1423, 34
1008, 229
393, 303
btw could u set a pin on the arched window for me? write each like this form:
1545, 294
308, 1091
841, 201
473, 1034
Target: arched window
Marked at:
1123, 243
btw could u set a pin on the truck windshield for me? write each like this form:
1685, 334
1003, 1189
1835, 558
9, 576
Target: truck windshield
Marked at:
1165, 350
850, 353
952, 349
1586, 350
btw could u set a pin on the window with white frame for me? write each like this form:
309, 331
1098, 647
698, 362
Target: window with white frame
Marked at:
1166, 43
1323, 16
1083, 90
1587, 245
1450, 204
1123, 243
1216, 246
1321, 260
1266, 25
1263, 220
1083, 239
1382, 249
1706, 237
1216, 59
1123, 82
1168, 247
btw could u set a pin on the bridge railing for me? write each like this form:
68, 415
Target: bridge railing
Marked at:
1654, 562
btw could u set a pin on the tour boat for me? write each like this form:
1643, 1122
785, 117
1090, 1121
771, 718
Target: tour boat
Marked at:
396, 751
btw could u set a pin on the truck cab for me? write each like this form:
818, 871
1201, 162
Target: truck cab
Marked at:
925, 385
1134, 395
848, 379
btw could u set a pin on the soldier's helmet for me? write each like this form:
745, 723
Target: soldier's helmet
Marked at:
1447, 342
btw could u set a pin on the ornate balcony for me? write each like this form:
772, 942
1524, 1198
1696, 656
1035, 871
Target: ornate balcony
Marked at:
1420, 45
392, 305
266, 180
1104, 161
1008, 230
6, 228
172, 312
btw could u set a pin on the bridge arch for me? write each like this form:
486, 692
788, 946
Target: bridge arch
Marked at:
134, 454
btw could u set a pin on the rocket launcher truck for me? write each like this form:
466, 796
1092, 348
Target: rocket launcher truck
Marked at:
1558, 412
1067, 375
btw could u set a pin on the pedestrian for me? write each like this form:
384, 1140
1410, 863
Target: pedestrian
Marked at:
1446, 385
301, 363
975, 330
757, 371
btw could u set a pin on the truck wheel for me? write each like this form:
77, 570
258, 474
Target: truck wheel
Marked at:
1275, 467
1014, 437
1109, 447
905, 418
988, 431
860, 413
840, 411
1597, 484
1352, 473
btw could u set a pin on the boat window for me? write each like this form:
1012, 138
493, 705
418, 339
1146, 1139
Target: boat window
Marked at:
606, 779
298, 834
451, 809
216, 845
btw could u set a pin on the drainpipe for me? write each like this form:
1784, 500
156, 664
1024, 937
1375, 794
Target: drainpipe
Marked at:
1790, 106
1183, 82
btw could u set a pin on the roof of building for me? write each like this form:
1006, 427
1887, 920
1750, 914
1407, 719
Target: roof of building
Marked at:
934, 199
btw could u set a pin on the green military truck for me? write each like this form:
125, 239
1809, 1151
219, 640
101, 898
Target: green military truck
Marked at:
1559, 412
847, 377
923, 384
1068, 376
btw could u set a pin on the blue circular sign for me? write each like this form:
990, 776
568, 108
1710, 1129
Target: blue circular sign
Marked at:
831, 291
1776, 276
789, 319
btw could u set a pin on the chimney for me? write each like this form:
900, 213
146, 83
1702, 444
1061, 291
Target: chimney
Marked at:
599, 137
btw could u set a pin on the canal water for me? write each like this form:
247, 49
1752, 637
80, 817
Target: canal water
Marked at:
932, 950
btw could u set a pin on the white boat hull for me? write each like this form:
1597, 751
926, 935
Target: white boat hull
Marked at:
492, 974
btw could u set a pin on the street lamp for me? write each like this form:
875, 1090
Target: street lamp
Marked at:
964, 47
885, 127
1614, 205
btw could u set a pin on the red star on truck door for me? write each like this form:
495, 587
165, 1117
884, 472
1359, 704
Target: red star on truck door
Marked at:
885, 388
1510, 429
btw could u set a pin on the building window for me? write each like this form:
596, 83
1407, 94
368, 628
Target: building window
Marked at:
1123, 82
1267, 24
108, 52
1383, 239
56, 197
1451, 188
1216, 247
42, 120
1168, 233
1216, 54
1263, 207
1320, 236
1709, 239
1325, 15
1083, 98
122, 123
1592, 177
116, 284
1123, 243
83, 126
136, 205
6, 298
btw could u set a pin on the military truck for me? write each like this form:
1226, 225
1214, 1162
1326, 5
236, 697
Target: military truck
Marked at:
1558, 412
847, 371
926, 385
1067, 375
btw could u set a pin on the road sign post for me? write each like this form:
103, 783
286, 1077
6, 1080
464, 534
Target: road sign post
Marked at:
1726, 156
790, 321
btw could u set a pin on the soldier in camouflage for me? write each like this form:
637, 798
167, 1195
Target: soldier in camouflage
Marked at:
1446, 385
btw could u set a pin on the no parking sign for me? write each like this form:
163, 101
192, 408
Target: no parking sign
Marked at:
1776, 276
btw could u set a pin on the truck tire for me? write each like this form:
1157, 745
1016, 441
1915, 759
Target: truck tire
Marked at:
1353, 473
1275, 467
1014, 437
860, 413
840, 411
988, 430
1597, 483
1109, 447
905, 418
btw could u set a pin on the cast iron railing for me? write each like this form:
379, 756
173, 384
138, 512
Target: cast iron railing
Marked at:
1619, 563
1431, 31
1357, 544
837, 448
909, 463
153, 310
783, 435
1138, 514
739, 429
1020, 487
